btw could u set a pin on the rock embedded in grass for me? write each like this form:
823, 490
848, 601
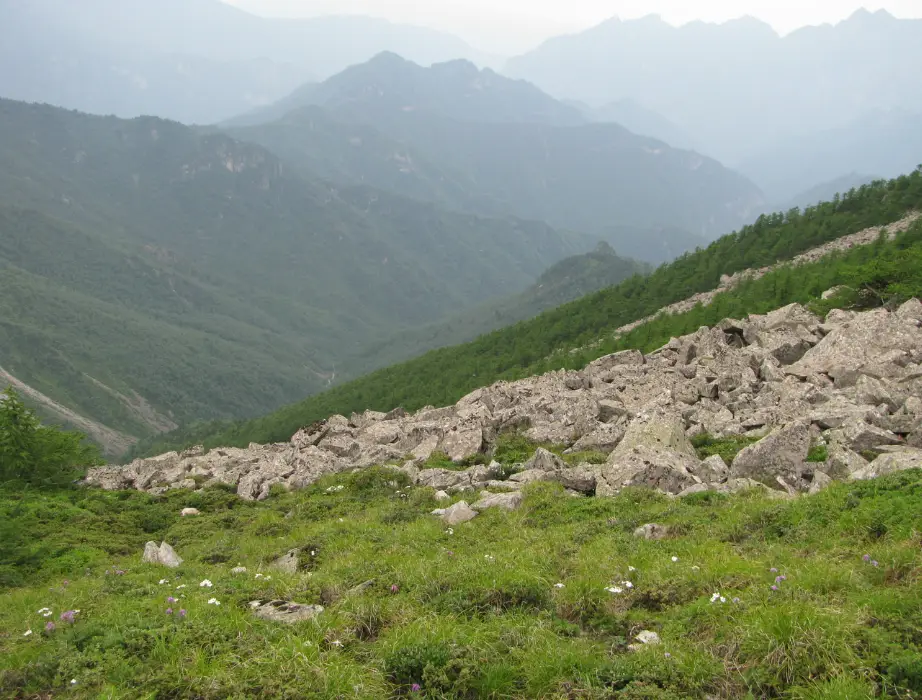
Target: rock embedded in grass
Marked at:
163, 554
284, 611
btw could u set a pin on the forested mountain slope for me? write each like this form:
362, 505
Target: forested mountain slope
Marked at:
484, 144
203, 275
443, 376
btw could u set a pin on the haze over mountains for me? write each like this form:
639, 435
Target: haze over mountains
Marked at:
342, 205
739, 88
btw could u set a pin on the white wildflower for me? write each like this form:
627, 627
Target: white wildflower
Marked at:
27, 633
631, 569
73, 681
489, 557
47, 614
449, 531
214, 601
182, 585
337, 643
722, 599
695, 568
615, 589
675, 559
206, 584
627, 584
259, 575
558, 585
162, 581
715, 597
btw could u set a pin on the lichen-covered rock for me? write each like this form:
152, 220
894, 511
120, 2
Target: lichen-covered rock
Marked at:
288, 562
506, 501
545, 461
162, 554
651, 531
284, 611
780, 454
891, 462
458, 513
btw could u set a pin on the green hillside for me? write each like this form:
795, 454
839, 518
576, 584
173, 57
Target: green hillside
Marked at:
541, 344
202, 277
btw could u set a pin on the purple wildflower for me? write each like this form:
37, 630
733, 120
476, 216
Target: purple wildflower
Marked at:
773, 570
415, 688
171, 599
68, 616
874, 564
66, 583
169, 611
182, 613
49, 626
736, 600
667, 655
774, 588
866, 557
394, 588
779, 579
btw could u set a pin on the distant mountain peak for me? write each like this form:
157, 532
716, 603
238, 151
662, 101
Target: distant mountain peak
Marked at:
864, 16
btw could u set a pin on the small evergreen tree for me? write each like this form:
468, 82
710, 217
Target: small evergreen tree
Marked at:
37, 454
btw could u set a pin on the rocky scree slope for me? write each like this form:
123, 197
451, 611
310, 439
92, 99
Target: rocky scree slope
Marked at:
792, 382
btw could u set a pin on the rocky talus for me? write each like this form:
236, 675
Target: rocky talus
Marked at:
851, 382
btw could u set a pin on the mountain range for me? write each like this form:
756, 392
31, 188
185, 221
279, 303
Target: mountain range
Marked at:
739, 88
479, 142
196, 61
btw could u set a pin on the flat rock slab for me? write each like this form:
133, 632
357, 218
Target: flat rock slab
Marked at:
284, 611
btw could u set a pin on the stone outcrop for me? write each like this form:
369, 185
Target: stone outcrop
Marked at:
284, 611
851, 382
162, 554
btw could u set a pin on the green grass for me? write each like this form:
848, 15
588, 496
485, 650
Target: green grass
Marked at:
476, 612
707, 446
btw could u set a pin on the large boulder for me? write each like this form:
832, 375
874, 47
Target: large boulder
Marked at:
779, 455
462, 442
666, 471
655, 452
162, 554
891, 462
545, 461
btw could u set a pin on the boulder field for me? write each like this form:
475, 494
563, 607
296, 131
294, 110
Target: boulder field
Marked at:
851, 382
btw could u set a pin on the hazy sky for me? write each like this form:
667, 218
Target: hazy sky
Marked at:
511, 26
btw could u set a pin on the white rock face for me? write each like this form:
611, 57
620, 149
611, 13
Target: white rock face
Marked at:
851, 380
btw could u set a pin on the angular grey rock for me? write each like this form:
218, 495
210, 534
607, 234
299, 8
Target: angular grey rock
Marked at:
603, 438
713, 470
651, 531
890, 463
660, 469
874, 392
611, 411
545, 461
168, 556
821, 480
529, 476
442, 479
644, 639
288, 562
163, 555
462, 442
506, 501
780, 454
843, 462
441, 496
860, 437
657, 430
458, 513
581, 479
151, 553
284, 611
186, 512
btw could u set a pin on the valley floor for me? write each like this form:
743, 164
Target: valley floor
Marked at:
750, 596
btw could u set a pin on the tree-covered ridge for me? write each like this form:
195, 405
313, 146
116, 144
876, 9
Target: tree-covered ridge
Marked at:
144, 261
443, 376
